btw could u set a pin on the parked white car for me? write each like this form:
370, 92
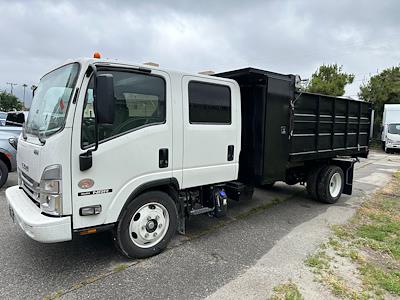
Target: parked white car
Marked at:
3, 117
9, 134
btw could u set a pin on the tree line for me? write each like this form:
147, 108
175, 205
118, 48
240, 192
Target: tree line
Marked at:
9, 102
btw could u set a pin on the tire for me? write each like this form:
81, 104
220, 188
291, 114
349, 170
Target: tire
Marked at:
3, 173
147, 226
330, 184
312, 182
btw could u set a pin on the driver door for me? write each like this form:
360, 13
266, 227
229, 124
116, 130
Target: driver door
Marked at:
129, 149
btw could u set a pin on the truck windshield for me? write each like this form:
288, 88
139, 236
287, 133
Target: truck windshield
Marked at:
394, 128
51, 101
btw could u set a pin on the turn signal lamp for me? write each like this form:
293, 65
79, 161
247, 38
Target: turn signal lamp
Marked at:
88, 231
96, 55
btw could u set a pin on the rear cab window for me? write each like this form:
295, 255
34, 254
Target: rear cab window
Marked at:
209, 103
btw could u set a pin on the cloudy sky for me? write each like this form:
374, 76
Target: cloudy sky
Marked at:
282, 36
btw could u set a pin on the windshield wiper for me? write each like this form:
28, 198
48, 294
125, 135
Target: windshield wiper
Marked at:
41, 137
40, 134
24, 136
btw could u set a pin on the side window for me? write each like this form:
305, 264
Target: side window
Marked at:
139, 101
209, 103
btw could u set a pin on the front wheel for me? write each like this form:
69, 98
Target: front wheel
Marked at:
330, 184
148, 225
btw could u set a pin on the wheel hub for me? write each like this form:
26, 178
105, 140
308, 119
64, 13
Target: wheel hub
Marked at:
149, 224
335, 184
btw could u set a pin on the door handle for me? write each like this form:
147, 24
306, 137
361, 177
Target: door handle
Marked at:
231, 152
163, 158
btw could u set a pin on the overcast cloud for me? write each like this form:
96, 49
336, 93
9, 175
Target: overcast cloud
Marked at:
281, 36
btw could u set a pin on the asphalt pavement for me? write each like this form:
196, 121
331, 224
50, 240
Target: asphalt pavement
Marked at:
214, 256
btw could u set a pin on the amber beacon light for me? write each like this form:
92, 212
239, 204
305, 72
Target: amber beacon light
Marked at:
96, 55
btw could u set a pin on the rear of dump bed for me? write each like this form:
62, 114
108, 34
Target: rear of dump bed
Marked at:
283, 129
324, 126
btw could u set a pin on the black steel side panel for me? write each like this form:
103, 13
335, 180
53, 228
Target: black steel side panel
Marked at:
265, 101
281, 129
325, 126
251, 161
276, 151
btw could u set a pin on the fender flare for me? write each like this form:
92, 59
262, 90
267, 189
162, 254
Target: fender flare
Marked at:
166, 183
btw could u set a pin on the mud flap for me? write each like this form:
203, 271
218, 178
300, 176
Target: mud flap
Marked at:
347, 165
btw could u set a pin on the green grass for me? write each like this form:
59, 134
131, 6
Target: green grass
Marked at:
381, 233
376, 229
120, 267
376, 276
341, 232
375, 144
55, 295
319, 261
287, 291
378, 232
372, 240
337, 286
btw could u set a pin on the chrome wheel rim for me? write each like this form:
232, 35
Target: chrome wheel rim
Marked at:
335, 185
149, 225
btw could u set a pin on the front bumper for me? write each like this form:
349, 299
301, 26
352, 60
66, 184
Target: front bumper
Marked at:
37, 226
392, 146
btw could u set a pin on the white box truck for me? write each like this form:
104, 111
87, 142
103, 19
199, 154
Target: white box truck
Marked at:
391, 127
138, 149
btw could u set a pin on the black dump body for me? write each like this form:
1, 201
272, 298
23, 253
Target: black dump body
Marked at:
283, 129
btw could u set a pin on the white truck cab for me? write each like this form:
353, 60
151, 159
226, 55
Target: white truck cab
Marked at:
391, 127
392, 136
112, 145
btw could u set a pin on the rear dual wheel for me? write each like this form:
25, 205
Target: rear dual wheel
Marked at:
326, 184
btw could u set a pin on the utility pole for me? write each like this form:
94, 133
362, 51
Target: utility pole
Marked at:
24, 86
12, 85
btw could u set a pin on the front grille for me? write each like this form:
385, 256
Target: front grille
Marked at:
31, 188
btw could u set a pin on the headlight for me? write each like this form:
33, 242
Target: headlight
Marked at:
51, 190
51, 187
389, 141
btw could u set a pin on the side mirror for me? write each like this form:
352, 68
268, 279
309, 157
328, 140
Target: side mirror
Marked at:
33, 88
104, 106
104, 99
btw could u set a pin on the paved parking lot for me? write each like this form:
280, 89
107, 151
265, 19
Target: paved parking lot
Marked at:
205, 261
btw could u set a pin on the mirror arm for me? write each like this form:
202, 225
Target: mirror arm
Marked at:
86, 158
96, 125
